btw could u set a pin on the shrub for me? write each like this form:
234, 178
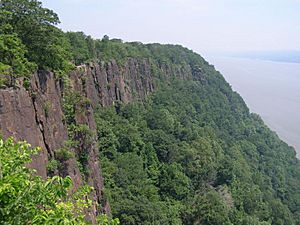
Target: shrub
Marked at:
52, 166
63, 154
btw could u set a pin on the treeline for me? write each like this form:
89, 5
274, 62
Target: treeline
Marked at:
193, 154
30, 41
190, 154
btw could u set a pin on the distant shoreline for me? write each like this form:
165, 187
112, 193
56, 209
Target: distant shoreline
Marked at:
270, 89
264, 59
284, 56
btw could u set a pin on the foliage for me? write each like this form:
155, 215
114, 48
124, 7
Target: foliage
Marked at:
13, 62
193, 154
52, 166
30, 40
105, 220
82, 47
34, 25
46, 47
27, 199
81, 137
63, 154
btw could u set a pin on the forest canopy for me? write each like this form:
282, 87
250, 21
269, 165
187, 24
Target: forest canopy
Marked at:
28, 199
191, 153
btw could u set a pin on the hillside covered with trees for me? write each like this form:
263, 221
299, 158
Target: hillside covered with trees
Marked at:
189, 153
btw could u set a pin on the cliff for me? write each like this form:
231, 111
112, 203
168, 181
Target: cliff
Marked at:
190, 153
36, 114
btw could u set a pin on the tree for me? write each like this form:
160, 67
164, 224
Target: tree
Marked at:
105, 38
28, 199
35, 26
79, 47
82, 47
209, 209
25, 198
13, 62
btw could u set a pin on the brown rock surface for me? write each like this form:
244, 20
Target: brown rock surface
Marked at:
37, 115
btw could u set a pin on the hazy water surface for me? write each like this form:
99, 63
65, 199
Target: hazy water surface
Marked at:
271, 89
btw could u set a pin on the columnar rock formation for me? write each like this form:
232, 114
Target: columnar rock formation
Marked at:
36, 115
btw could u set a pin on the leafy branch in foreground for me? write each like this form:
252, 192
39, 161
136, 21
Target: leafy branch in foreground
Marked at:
28, 199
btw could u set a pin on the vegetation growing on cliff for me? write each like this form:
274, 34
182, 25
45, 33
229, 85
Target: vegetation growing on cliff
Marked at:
190, 154
193, 154
28, 199
29, 40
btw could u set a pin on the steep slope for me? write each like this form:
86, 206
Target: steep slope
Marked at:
176, 144
193, 154
39, 114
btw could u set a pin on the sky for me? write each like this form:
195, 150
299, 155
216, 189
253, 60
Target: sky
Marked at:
206, 26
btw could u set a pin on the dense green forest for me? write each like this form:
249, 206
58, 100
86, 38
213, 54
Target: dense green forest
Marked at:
191, 153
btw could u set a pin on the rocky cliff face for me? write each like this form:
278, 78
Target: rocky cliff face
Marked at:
36, 115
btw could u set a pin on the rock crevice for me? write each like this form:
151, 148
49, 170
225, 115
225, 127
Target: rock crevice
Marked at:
37, 115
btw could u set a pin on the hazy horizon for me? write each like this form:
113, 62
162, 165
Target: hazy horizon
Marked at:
205, 26
249, 29
270, 89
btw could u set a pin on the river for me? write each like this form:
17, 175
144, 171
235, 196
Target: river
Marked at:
270, 89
